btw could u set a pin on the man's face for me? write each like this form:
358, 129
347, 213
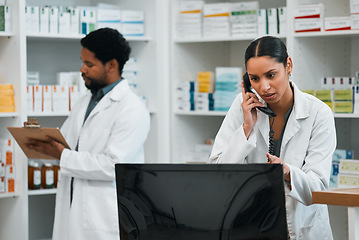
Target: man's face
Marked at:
93, 71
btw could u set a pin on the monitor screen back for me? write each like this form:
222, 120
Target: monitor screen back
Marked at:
201, 201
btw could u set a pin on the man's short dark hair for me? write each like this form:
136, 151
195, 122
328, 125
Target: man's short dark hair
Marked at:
107, 44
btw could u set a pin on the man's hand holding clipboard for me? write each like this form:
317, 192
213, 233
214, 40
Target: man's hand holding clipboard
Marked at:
39, 143
49, 146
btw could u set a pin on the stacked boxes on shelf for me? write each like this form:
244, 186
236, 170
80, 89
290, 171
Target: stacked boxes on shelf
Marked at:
204, 97
7, 166
205, 81
132, 23
7, 98
309, 18
216, 20
189, 19
5, 18
109, 17
185, 96
58, 98
227, 87
203, 101
340, 93
228, 19
348, 173
244, 18
337, 156
71, 20
130, 72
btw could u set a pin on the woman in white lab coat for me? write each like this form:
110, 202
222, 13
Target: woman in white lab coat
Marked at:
304, 136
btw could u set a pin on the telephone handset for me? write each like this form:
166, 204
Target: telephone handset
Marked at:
247, 88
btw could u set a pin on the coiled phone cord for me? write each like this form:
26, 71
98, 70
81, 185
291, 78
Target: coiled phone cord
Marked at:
271, 139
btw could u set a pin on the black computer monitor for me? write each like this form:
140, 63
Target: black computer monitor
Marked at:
201, 201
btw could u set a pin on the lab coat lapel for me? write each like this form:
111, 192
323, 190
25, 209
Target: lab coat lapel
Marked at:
263, 126
300, 111
116, 94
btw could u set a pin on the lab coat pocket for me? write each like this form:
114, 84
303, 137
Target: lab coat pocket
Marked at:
314, 228
100, 209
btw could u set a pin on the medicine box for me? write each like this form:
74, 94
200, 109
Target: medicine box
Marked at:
64, 23
5, 18
262, 22
347, 180
46, 99
44, 19
7, 151
356, 99
309, 11
2, 169
349, 166
282, 16
343, 107
75, 20
60, 98
354, 21
324, 95
308, 25
343, 95
2, 184
308, 18
109, 18
10, 185
37, 98
54, 20
273, 21
29, 99
337, 23
35, 19
354, 6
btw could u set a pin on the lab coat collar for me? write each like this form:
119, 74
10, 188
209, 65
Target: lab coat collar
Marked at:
116, 94
300, 111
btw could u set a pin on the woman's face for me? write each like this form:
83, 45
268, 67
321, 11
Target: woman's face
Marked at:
270, 78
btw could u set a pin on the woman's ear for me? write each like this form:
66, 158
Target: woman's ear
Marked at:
289, 66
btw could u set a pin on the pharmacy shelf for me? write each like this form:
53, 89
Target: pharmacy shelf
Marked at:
344, 33
41, 36
220, 39
6, 34
198, 113
223, 113
42, 192
55, 114
9, 114
9, 195
346, 115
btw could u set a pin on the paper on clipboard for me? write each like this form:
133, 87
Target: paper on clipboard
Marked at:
22, 133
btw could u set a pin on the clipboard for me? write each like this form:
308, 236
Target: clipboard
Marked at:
22, 133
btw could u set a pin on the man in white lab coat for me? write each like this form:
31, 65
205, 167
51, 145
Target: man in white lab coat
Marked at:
106, 127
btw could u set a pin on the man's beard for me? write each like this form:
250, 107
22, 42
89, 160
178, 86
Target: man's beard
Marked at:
94, 84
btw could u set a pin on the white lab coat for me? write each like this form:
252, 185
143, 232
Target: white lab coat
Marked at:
308, 144
114, 132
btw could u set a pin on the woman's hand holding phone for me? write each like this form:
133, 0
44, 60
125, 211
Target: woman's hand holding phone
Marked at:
249, 103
